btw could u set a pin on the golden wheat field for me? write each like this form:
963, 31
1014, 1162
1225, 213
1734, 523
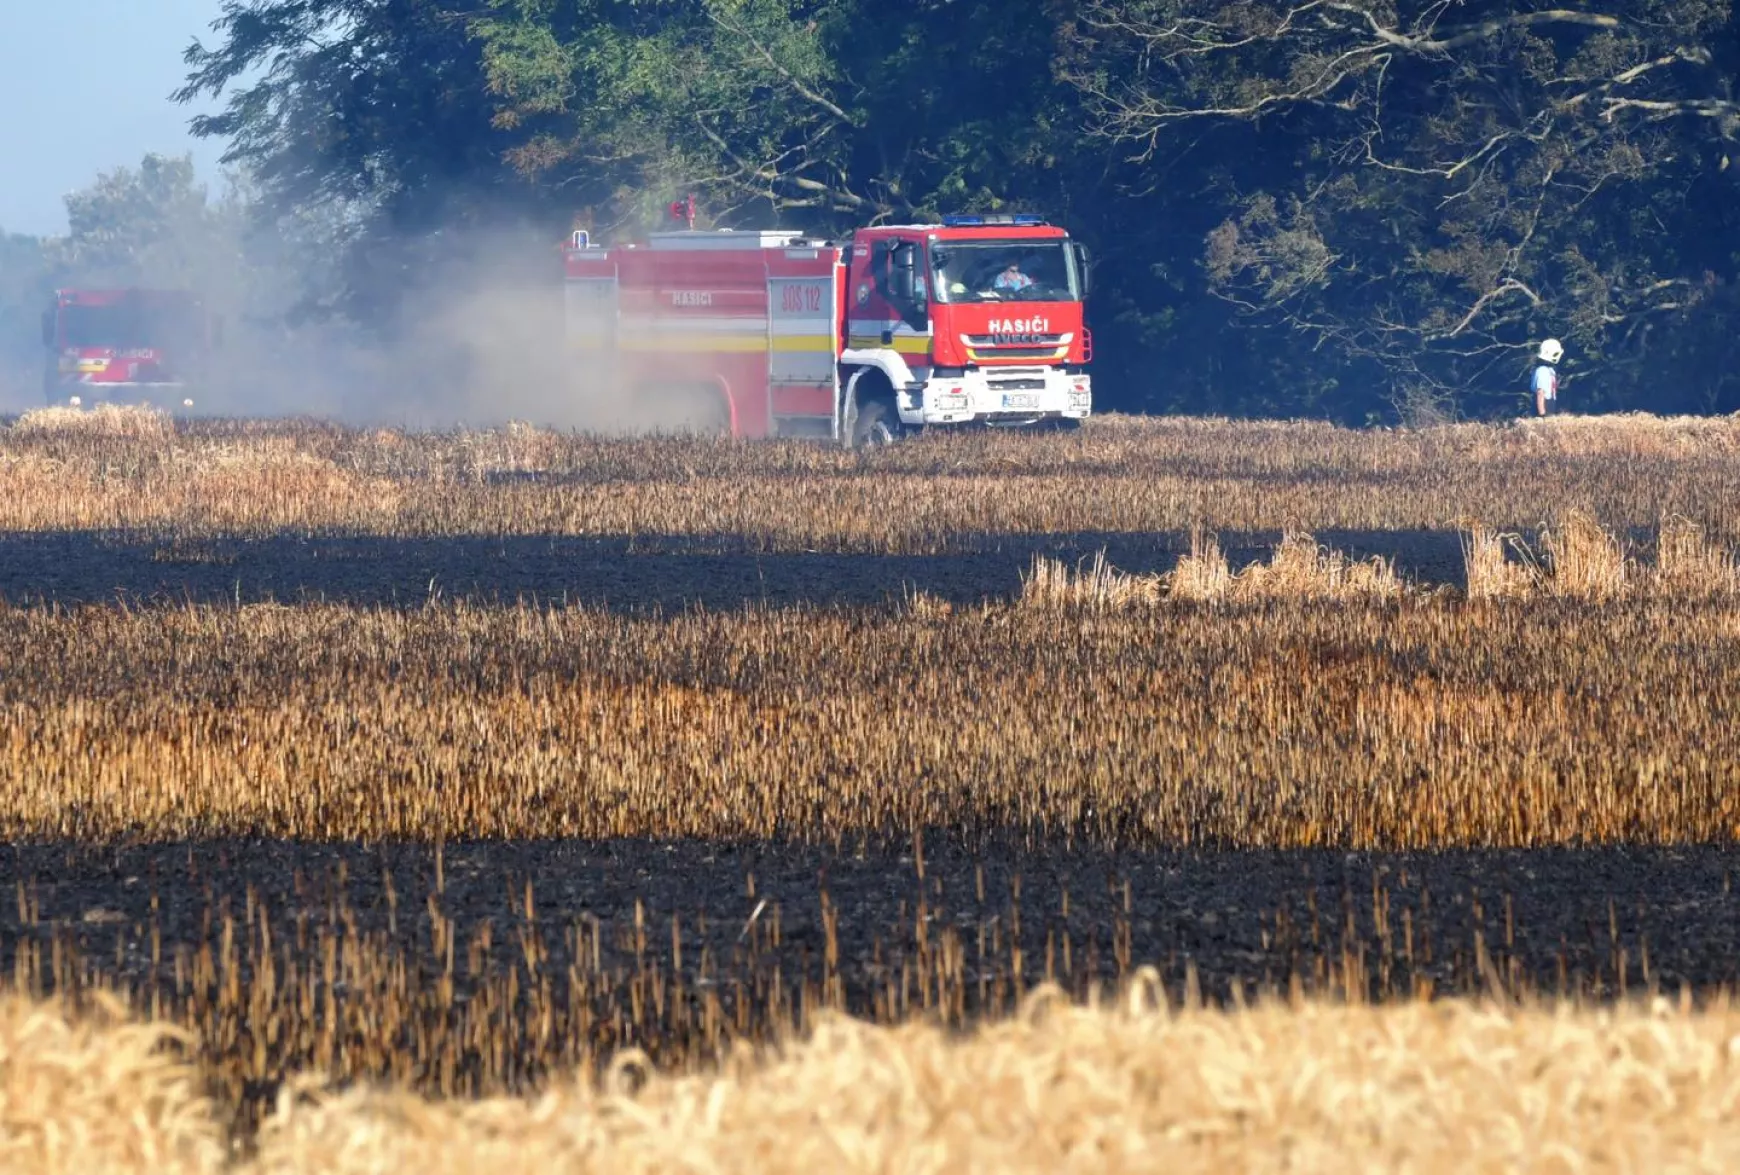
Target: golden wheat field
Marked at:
1136, 1085
492, 844
125, 469
1377, 724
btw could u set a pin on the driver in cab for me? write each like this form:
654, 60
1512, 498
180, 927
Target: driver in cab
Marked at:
1012, 280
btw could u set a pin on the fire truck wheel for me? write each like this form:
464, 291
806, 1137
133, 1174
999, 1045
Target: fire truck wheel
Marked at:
877, 425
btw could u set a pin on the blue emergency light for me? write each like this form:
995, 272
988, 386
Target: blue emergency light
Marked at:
969, 220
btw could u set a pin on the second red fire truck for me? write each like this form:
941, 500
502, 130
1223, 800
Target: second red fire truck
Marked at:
132, 345
972, 320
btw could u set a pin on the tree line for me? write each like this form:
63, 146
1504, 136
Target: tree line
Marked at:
1359, 209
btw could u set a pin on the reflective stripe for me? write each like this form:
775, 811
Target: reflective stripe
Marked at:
695, 324
735, 343
904, 344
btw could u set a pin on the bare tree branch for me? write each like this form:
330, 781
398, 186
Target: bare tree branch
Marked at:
1478, 31
739, 30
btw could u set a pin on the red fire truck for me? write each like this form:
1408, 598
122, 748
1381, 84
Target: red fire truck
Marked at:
125, 346
974, 320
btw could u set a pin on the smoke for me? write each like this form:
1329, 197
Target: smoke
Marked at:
478, 335
470, 334
322, 315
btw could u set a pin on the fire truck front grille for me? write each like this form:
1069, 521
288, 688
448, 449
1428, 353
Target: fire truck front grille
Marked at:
989, 348
1017, 385
1019, 353
1010, 343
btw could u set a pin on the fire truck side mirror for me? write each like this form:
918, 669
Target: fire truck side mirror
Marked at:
48, 328
1084, 267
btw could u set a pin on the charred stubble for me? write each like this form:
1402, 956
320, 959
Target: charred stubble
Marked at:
1400, 724
486, 967
1127, 476
593, 831
462, 846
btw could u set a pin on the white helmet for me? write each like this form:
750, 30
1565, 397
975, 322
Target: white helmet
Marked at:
1552, 351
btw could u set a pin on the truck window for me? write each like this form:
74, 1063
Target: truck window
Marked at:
130, 324
115, 325
915, 310
1003, 271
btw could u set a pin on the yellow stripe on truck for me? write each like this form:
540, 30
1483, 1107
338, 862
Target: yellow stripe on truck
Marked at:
736, 343
743, 343
904, 344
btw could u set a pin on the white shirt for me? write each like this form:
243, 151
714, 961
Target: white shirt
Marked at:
1546, 382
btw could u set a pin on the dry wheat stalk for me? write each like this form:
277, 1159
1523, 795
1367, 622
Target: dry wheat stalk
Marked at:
1130, 1085
104, 471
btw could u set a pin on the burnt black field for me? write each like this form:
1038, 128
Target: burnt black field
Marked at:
1596, 920
667, 573
491, 965
1593, 923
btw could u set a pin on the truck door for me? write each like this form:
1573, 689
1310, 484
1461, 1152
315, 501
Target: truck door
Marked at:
890, 295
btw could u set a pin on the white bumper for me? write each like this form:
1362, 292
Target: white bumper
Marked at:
1007, 394
86, 393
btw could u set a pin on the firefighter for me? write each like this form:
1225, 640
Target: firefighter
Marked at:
1011, 280
1546, 378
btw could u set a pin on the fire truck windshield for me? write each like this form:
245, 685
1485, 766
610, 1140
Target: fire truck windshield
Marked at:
124, 325
1004, 271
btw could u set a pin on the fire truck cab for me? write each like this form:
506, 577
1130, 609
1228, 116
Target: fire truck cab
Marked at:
125, 346
973, 320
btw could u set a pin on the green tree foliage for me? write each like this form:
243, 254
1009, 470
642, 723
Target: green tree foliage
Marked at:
367, 123
826, 113
1333, 207
1463, 179
153, 225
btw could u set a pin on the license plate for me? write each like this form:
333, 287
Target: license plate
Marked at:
1021, 400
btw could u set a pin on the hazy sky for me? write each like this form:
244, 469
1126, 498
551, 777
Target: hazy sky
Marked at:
84, 87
